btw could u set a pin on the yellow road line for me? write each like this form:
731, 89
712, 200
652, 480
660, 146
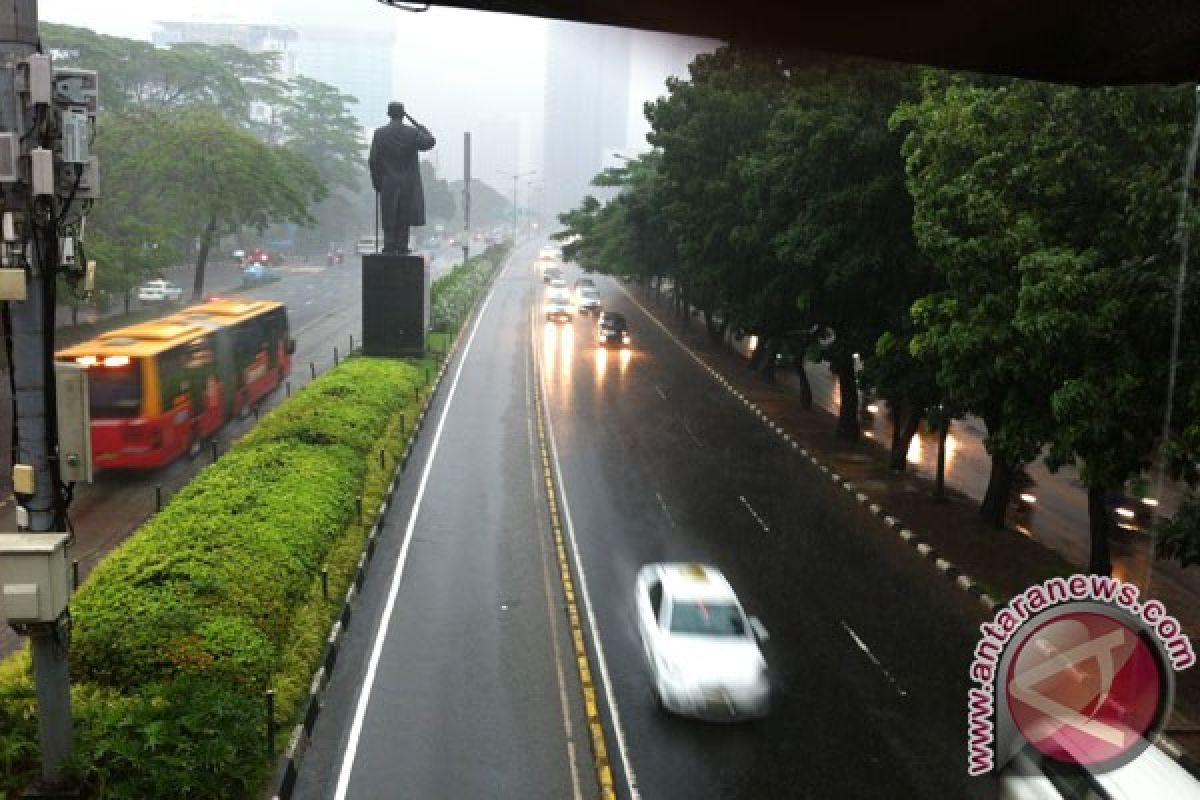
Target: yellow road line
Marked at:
591, 707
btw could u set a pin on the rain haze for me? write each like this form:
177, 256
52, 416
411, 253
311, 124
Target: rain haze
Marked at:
551, 101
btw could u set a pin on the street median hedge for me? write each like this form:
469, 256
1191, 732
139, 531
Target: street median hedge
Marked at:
179, 632
454, 294
181, 629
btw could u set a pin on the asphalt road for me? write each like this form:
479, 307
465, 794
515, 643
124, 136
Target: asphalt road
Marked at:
659, 465
459, 681
868, 654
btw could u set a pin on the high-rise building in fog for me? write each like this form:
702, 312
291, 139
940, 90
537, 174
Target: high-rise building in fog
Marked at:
587, 106
355, 61
597, 79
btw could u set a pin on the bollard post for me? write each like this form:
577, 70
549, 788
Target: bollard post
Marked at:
288, 388
381, 454
427, 376
352, 343
158, 498
325, 582
335, 355
313, 369
401, 424
416, 394
75, 574
214, 451
256, 413
270, 721
358, 505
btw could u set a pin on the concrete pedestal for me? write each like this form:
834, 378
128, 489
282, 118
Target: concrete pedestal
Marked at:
395, 305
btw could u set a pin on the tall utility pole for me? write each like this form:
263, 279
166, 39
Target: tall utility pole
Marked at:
466, 244
516, 177
49, 177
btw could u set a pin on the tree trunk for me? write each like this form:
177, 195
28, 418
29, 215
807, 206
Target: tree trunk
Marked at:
806, 396
999, 492
848, 427
767, 365
74, 314
939, 484
202, 257
756, 357
905, 421
128, 298
1099, 526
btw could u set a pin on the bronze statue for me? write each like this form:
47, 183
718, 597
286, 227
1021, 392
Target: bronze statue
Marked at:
396, 176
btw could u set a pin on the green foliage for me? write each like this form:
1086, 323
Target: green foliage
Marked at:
453, 295
224, 587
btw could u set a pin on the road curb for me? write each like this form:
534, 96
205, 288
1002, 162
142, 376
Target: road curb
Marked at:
287, 769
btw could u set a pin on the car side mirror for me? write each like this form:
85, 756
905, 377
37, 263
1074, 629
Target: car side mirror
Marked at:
760, 631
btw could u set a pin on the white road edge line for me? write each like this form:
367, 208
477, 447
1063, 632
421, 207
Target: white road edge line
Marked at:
862, 646
601, 662
364, 697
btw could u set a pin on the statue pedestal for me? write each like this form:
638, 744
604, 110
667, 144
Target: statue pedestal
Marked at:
395, 305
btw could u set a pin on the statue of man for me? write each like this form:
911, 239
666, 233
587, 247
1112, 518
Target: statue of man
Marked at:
396, 176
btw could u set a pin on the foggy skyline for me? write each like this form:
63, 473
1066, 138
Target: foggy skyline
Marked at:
456, 71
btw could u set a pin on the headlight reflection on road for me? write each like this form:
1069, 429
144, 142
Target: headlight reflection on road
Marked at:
916, 449
601, 356
625, 357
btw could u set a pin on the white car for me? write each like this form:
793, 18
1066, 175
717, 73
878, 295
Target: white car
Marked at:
588, 300
1150, 776
159, 292
558, 306
366, 246
702, 649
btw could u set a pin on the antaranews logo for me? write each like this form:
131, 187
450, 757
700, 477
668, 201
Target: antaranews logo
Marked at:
1078, 668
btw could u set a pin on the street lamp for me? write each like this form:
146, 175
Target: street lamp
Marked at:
516, 177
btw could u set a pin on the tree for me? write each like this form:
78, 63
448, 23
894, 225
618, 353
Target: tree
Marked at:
828, 193
230, 179
1048, 209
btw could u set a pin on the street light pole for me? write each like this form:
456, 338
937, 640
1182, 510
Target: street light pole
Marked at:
516, 177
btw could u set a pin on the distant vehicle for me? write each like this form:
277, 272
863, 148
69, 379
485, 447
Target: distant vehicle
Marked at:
558, 307
701, 647
556, 284
612, 330
588, 300
257, 274
156, 389
334, 258
1150, 776
549, 268
582, 282
159, 291
551, 252
366, 245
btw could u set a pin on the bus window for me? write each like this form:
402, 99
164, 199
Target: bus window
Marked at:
183, 373
115, 391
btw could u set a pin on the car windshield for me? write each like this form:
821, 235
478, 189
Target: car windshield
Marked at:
707, 619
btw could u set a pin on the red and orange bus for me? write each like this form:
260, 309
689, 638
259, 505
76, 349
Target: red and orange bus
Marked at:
156, 389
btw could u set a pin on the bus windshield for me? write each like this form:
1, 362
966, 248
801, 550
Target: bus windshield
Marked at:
115, 391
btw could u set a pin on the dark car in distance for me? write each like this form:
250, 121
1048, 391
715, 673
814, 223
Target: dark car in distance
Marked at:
612, 330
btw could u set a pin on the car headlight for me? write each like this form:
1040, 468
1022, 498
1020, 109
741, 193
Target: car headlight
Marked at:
625, 338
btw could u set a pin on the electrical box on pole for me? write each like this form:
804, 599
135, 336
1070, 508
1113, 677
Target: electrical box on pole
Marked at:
74, 422
35, 577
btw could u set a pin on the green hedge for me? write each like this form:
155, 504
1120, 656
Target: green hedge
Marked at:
454, 294
178, 632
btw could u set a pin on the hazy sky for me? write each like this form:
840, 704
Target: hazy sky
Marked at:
455, 70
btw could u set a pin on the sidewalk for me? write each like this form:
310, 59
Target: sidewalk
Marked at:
1002, 562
